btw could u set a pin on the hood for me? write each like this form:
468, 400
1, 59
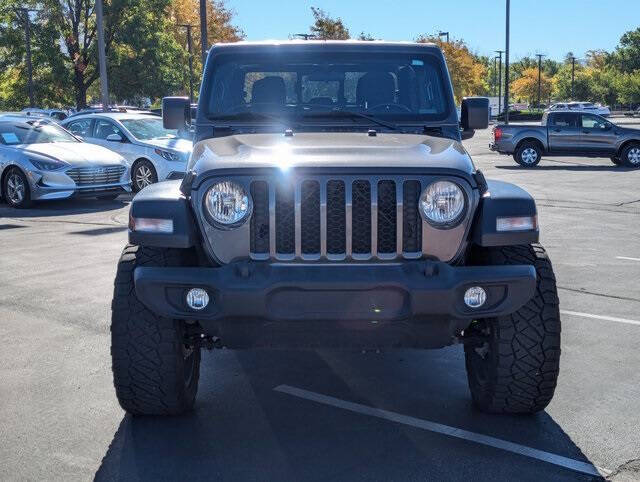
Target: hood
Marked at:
75, 153
175, 144
329, 149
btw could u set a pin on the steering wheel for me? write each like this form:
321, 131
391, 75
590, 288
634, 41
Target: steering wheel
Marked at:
390, 106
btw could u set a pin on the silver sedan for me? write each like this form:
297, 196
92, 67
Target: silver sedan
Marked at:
40, 160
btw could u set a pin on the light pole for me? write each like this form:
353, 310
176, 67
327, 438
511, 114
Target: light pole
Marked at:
102, 60
23, 11
539, 74
500, 52
506, 67
188, 27
203, 31
444, 34
495, 73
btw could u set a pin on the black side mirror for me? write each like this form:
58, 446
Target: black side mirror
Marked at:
474, 113
176, 112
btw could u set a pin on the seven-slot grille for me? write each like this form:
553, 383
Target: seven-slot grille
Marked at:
336, 219
87, 176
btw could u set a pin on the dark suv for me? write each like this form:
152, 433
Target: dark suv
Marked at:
329, 202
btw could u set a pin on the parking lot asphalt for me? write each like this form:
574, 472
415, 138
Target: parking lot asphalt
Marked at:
323, 415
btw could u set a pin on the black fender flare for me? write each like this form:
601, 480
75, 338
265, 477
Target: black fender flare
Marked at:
503, 199
163, 200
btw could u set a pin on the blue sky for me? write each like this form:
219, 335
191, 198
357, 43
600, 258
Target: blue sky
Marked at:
551, 27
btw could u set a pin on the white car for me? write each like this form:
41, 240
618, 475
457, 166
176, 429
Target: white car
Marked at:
40, 160
589, 107
152, 152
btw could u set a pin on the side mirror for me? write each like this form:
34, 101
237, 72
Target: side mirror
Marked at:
474, 113
176, 112
114, 138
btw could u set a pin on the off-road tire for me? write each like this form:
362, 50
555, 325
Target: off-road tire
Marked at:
625, 155
519, 371
522, 149
153, 372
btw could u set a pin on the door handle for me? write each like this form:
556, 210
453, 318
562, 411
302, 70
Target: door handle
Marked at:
557, 130
585, 131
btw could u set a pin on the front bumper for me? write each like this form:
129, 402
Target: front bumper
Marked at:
419, 298
46, 185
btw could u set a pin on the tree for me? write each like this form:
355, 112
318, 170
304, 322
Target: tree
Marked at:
327, 28
526, 86
627, 54
219, 29
468, 74
562, 83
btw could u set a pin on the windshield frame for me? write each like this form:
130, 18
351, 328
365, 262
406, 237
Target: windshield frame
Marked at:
282, 53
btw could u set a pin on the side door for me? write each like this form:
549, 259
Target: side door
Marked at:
562, 129
103, 128
597, 135
81, 128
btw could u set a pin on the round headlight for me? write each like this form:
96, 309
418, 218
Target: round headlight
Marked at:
227, 203
442, 203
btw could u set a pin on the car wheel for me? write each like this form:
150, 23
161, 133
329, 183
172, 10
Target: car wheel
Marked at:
16, 189
616, 160
630, 156
528, 154
513, 365
155, 370
143, 175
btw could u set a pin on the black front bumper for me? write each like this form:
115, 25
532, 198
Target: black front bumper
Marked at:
253, 299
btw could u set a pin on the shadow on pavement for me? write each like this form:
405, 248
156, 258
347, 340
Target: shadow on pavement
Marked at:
242, 429
64, 207
567, 167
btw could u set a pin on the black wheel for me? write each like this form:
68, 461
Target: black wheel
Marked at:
108, 197
630, 155
528, 154
142, 175
154, 371
616, 160
16, 189
516, 369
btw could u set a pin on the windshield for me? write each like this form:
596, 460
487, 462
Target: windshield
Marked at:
393, 86
32, 132
147, 129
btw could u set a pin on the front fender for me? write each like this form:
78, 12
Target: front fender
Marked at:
503, 199
163, 200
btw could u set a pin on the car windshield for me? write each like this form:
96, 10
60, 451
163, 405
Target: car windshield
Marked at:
306, 86
32, 132
147, 129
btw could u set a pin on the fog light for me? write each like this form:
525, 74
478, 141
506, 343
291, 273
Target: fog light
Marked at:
475, 297
197, 299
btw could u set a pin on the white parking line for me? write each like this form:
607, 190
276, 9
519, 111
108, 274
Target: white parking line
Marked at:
571, 464
627, 258
601, 317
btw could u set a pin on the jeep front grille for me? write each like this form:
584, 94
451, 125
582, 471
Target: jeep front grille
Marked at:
336, 219
87, 176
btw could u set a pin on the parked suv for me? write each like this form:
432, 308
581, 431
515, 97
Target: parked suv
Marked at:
329, 203
153, 152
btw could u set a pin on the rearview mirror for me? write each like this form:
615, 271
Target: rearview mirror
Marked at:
114, 138
474, 113
176, 112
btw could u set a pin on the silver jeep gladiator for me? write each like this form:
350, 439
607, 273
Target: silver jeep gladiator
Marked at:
568, 133
329, 203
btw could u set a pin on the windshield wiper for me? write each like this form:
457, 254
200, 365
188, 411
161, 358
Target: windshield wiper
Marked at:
351, 114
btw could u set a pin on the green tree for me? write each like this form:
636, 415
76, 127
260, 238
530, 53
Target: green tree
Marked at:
468, 74
327, 28
627, 54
